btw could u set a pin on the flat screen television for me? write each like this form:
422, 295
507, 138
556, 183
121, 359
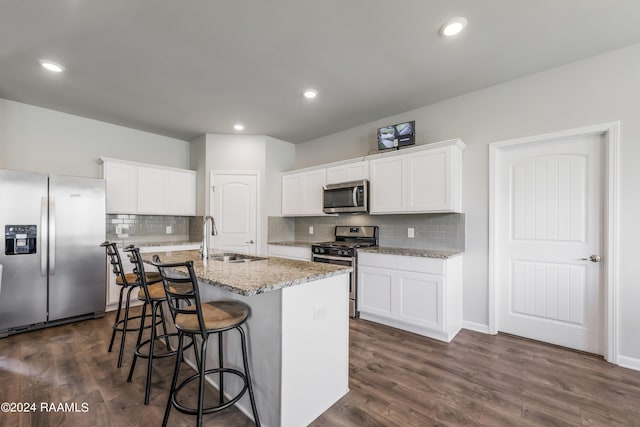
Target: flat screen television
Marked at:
396, 136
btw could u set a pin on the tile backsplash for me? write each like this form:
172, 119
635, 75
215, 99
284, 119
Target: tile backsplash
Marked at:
432, 231
146, 228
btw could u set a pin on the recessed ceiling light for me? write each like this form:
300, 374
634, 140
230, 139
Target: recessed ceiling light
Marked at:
310, 93
54, 67
238, 126
453, 26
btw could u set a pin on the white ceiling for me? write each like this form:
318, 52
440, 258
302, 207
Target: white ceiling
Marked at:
184, 68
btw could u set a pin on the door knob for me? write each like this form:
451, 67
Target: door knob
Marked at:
250, 241
592, 258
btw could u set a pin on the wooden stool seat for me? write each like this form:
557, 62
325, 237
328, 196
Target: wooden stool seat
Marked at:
216, 315
157, 293
133, 278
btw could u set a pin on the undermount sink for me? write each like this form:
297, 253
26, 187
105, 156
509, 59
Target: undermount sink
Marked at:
235, 258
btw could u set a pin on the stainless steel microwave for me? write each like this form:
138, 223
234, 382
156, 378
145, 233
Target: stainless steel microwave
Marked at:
346, 197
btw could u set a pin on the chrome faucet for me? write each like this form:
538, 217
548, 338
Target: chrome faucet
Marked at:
205, 240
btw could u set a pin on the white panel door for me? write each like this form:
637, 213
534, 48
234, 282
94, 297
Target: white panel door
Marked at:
292, 194
550, 218
349, 172
181, 193
312, 192
234, 207
376, 290
121, 180
387, 184
420, 299
152, 190
429, 181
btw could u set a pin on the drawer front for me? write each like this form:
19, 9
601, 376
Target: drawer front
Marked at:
377, 260
293, 252
422, 265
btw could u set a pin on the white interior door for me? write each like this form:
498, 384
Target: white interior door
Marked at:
549, 218
234, 207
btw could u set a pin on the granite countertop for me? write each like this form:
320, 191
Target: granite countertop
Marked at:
181, 243
251, 278
293, 243
152, 244
425, 253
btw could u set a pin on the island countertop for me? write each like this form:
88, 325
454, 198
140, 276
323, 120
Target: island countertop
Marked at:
251, 278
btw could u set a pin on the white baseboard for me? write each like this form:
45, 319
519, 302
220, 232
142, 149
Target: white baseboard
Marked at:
629, 362
473, 326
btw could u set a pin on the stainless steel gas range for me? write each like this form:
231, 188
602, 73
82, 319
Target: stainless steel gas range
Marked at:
343, 251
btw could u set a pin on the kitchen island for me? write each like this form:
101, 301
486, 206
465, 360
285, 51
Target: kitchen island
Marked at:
297, 331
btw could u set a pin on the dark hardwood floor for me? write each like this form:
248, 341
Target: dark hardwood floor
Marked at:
396, 379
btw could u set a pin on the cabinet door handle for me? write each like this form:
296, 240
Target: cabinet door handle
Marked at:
250, 241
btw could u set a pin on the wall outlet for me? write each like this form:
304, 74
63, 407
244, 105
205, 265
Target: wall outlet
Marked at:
411, 233
319, 312
119, 229
169, 229
311, 229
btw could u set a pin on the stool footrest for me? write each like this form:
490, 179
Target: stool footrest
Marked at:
145, 355
194, 411
117, 325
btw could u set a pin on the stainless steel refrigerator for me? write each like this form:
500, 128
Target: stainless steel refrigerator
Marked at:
53, 268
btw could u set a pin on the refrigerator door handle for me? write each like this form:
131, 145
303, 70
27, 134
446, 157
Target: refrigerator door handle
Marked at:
43, 232
52, 236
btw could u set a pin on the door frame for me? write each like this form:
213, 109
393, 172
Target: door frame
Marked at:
610, 133
255, 173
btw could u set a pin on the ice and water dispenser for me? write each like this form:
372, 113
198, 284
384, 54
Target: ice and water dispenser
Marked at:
20, 239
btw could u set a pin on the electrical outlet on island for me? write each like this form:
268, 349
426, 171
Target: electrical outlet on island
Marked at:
169, 229
411, 233
311, 229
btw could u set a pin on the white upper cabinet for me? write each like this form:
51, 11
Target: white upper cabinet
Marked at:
387, 184
182, 192
291, 191
121, 180
421, 179
425, 179
152, 190
302, 193
348, 172
149, 190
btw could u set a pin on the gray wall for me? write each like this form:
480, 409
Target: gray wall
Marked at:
41, 140
600, 89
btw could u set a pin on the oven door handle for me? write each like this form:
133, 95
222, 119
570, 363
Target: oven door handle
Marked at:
336, 258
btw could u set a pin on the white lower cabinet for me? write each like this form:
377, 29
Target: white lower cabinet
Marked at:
300, 253
416, 294
375, 297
